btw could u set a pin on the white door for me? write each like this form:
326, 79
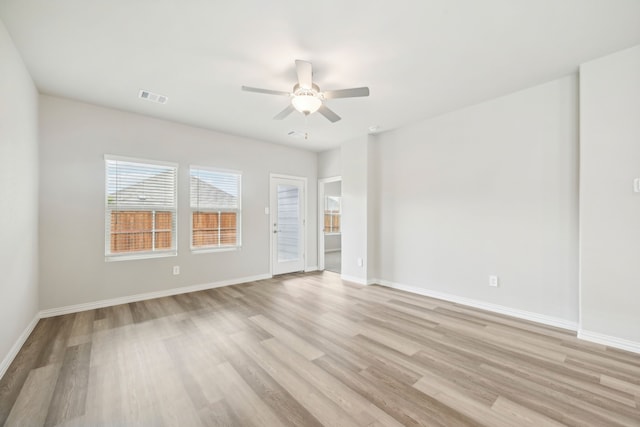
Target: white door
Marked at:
287, 224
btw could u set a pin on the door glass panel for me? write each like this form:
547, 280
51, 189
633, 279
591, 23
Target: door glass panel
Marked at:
288, 222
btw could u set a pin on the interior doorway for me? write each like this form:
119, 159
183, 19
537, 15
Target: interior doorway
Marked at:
330, 224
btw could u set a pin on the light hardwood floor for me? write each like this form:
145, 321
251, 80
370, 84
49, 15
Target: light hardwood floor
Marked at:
309, 350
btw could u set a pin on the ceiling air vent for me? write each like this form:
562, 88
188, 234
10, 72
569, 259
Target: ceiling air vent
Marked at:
153, 97
298, 134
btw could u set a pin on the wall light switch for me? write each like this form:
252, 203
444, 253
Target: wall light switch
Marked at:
493, 281
360, 262
266, 211
636, 185
176, 270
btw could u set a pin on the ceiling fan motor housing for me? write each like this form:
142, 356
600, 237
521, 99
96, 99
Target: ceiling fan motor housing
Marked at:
306, 100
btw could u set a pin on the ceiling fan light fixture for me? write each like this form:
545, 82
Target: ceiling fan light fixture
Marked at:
306, 103
306, 96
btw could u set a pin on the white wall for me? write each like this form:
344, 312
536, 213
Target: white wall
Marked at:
354, 162
329, 163
18, 199
74, 139
373, 209
490, 189
609, 209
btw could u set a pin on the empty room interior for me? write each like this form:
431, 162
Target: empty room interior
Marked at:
296, 213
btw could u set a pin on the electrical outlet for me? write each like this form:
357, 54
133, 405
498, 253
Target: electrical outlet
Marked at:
493, 281
176, 270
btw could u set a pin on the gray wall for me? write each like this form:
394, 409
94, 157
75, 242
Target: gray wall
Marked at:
332, 242
329, 163
488, 190
74, 138
609, 209
333, 188
18, 198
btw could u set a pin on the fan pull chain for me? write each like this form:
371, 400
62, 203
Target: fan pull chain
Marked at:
306, 126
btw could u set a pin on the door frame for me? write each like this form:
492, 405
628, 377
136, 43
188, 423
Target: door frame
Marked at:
304, 217
321, 184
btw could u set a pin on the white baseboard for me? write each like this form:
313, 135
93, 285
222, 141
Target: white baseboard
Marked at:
520, 314
358, 280
13, 352
150, 295
610, 341
311, 268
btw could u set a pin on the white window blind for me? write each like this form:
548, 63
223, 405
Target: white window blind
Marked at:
140, 208
215, 208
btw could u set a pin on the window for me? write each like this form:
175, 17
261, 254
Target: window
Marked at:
215, 209
140, 208
332, 211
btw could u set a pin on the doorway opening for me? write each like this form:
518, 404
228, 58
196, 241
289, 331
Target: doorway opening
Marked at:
330, 230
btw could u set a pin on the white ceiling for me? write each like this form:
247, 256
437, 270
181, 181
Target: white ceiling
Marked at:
420, 58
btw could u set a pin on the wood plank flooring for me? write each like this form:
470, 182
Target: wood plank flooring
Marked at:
312, 350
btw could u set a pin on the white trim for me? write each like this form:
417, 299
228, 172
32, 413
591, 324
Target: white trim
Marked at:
609, 340
140, 161
520, 314
354, 279
215, 169
13, 352
150, 295
279, 175
330, 179
311, 268
142, 255
216, 249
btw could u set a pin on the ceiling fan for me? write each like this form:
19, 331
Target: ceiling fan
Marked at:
306, 96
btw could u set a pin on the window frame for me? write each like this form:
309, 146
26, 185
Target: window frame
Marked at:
238, 211
153, 253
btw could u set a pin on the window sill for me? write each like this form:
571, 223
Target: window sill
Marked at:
212, 250
113, 258
333, 233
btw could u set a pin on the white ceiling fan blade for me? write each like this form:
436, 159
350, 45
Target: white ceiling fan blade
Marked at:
329, 114
346, 93
305, 74
284, 113
267, 91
